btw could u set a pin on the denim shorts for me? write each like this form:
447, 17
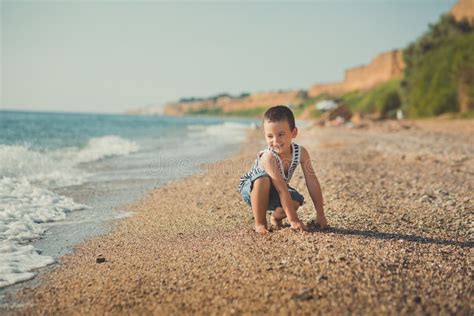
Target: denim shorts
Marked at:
274, 200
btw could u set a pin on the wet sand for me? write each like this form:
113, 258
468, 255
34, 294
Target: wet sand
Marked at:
398, 198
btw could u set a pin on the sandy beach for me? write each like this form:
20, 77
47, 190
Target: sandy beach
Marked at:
398, 198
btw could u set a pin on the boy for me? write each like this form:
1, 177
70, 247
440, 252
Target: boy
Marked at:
265, 186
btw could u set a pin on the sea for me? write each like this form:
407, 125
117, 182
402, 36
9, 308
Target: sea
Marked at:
65, 177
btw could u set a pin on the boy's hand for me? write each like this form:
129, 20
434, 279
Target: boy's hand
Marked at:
298, 225
321, 221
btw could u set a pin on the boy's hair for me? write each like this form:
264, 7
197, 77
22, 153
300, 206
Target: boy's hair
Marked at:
280, 113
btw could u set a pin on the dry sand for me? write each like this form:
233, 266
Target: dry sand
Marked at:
399, 202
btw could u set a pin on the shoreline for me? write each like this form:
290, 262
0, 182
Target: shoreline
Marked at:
190, 248
98, 187
122, 211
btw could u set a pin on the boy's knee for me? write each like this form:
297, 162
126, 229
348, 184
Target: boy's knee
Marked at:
262, 182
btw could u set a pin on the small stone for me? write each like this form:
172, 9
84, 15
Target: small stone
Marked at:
100, 259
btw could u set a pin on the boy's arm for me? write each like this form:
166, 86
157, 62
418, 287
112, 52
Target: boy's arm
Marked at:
270, 165
313, 186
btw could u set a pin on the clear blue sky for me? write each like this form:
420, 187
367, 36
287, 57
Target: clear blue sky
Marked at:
109, 56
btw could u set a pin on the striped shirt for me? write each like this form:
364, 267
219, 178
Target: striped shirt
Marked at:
257, 168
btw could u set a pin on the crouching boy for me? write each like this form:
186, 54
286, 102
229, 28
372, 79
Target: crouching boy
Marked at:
266, 185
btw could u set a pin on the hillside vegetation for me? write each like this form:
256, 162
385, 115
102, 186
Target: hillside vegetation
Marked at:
439, 73
384, 99
438, 78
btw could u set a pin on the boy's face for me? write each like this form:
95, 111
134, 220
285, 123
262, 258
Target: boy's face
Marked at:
279, 135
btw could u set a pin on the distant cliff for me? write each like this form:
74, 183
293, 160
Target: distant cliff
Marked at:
230, 105
386, 66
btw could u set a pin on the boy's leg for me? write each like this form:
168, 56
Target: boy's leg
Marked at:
279, 215
259, 200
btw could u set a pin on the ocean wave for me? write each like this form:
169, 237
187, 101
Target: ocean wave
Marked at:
23, 208
22, 162
59, 167
27, 202
103, 147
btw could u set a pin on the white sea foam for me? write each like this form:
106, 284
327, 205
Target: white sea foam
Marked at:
26, 200
18, 261
23, 209
38, 167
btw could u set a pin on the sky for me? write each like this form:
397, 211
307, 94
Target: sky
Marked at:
109, 56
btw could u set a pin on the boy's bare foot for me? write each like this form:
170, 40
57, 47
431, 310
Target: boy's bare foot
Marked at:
276, 219
278, 223
261, 229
